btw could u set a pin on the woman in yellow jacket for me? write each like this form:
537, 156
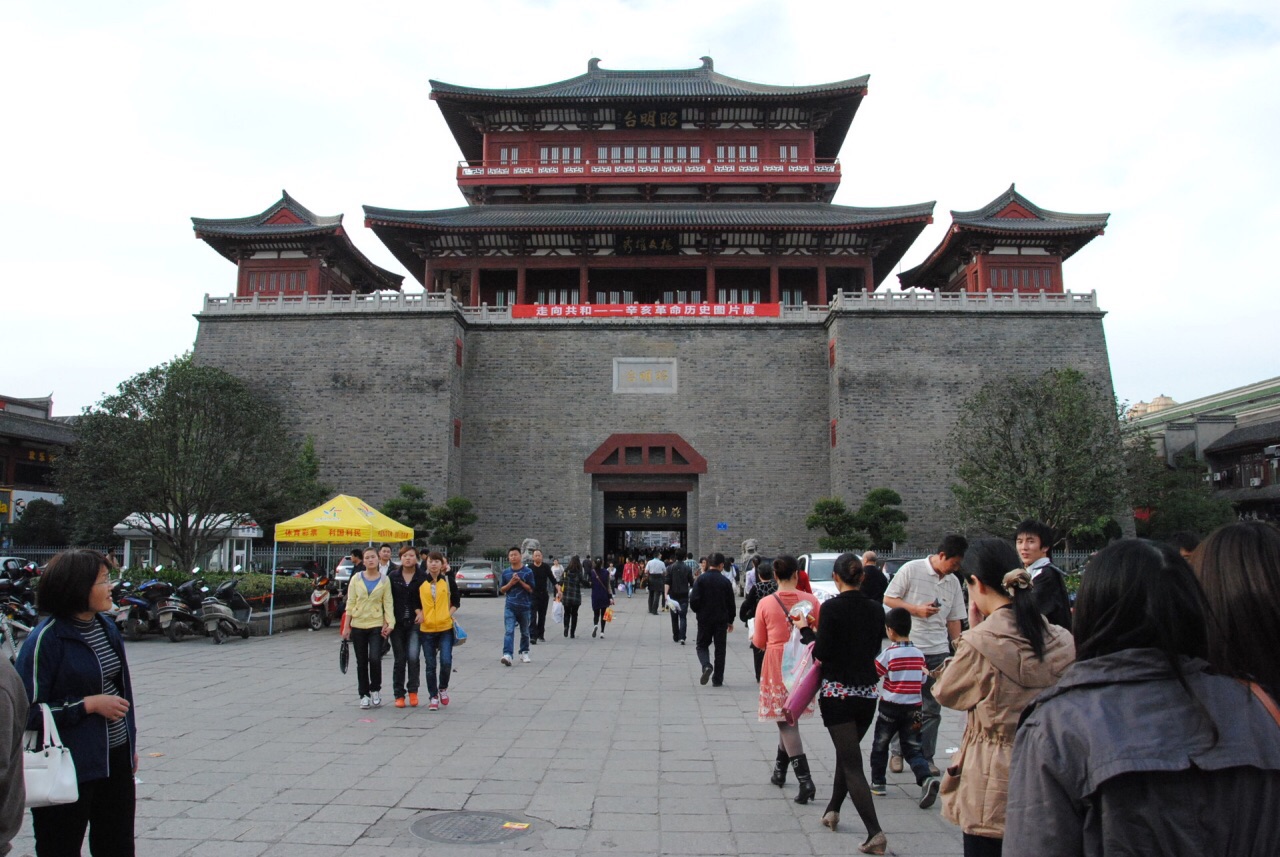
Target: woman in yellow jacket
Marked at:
440, 600
372, 616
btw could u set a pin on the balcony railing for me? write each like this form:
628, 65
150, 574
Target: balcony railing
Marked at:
519, 172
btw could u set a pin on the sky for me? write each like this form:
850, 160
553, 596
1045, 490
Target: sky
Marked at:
125, 120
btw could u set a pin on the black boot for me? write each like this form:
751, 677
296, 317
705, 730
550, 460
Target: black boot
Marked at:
807, 789
779, 777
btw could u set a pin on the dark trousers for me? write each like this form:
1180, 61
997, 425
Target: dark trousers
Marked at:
106, 807
896, 720
539, 626
709, 635
982, 846
368, 645
570, 618
404, 649
655, 593
757, 655
437, 644
680, 619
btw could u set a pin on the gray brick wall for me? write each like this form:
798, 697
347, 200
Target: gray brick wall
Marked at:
380, 393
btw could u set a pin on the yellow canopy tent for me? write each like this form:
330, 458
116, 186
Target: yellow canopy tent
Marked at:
342, 520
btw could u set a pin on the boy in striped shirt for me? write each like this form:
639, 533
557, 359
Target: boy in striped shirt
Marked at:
903, 667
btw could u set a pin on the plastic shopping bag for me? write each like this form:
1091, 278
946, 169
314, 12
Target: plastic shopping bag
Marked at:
557, 613
608, 614
794, 655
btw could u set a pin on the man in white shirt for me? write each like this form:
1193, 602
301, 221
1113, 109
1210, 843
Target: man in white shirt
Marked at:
657, 571
929, 590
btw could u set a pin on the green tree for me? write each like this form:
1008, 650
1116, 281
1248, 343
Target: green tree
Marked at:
841, 525
448, 524
187, 452
411, 508
1045, 447
43, 523
883, 521
1179, 500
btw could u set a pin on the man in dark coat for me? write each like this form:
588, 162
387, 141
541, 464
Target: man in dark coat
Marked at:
679, 582
543, 583
711, 600
1048, 582
874, 582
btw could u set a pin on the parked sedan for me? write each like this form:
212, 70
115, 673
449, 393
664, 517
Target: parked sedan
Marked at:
476, 576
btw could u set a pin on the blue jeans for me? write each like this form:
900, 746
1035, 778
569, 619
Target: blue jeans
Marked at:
404, 648
431, 643
513, 614
903, 722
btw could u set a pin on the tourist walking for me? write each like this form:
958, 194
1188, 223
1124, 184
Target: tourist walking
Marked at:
1141, 748
438, 600
711, 599
601, 596
405, 666
847, 645
517, 585
74, 662
569, 594
629, 576
773, 626
679, 581
1239, 568
371, 617
764, 585
655, 573
898, 715
543, 583
1000, 665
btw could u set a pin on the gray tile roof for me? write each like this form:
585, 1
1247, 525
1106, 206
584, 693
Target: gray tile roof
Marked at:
31, 429
598, 83
752, 215
1045, 220
1258, 434
256, 224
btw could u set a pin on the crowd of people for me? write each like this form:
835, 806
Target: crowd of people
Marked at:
1139, 720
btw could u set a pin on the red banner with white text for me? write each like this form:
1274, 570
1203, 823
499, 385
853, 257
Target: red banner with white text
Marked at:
562, 311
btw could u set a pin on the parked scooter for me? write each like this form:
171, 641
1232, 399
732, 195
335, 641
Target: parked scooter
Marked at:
17, 613
226, 611
327, 603
138, 611
183, 614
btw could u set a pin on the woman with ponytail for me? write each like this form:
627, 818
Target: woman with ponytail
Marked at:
999, 666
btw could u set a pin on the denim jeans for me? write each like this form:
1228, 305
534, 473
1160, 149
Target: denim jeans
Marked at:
516, 614
895, 720
932, 711
433, 643
680, 620
404, 650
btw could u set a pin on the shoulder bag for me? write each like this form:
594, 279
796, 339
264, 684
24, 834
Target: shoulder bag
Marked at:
49, 771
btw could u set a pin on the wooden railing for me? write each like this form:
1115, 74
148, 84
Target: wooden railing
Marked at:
534, 170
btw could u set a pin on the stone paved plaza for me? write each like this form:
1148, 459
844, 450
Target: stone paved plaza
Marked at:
258, 747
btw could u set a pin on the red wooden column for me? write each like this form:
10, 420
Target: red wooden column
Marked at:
582, 284
775, 294
475, 286
427, 274
822, 283
520, 295
711, 284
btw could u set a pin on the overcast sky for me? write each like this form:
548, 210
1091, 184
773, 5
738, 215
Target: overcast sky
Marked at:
123, 120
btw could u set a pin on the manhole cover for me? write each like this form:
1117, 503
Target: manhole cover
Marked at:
469, 827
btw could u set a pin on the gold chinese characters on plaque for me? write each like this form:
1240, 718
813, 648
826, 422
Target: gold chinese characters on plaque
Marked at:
644, 375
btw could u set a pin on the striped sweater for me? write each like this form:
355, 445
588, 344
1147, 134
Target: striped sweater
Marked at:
903, 668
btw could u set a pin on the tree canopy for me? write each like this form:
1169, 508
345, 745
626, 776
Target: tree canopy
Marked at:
1046, 447
189, 452
411, 508
449, 521
878, 523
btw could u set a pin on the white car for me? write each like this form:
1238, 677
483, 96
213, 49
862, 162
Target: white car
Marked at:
819, 566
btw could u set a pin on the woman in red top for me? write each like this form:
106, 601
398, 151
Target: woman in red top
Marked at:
773, 629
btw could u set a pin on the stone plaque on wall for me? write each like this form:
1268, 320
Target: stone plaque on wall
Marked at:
644, 375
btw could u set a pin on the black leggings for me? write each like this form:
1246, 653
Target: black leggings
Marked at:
106, 807
368, 645
597, 618
982, 846
850, 779
571, 619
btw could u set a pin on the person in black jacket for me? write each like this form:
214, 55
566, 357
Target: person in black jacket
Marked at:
1048, 582
679, 582
764, 586
847, 645
874, 583
406, 666
543, 583
711, 600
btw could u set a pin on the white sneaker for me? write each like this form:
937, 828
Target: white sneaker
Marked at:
377, 700
506, 660
364, 702
524, 658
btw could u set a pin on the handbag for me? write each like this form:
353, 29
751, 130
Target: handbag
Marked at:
802, 694
48, 769
459, 635
344, 656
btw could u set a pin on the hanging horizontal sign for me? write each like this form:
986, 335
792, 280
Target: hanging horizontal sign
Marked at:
647, 244
562, 311
647, 117
643, 512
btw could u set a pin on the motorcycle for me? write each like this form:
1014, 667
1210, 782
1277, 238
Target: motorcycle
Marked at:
226, 611
138, 611
183, 614
327, 603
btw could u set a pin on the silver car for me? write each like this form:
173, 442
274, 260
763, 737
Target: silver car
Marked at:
476, 576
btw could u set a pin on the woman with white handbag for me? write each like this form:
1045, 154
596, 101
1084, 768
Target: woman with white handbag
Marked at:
74, 663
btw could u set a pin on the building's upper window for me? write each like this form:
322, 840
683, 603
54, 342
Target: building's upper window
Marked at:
740, 154
788, 154
277, 281
624, 153
508, 155
560, 155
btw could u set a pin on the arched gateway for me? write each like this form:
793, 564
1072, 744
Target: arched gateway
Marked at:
644, 491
